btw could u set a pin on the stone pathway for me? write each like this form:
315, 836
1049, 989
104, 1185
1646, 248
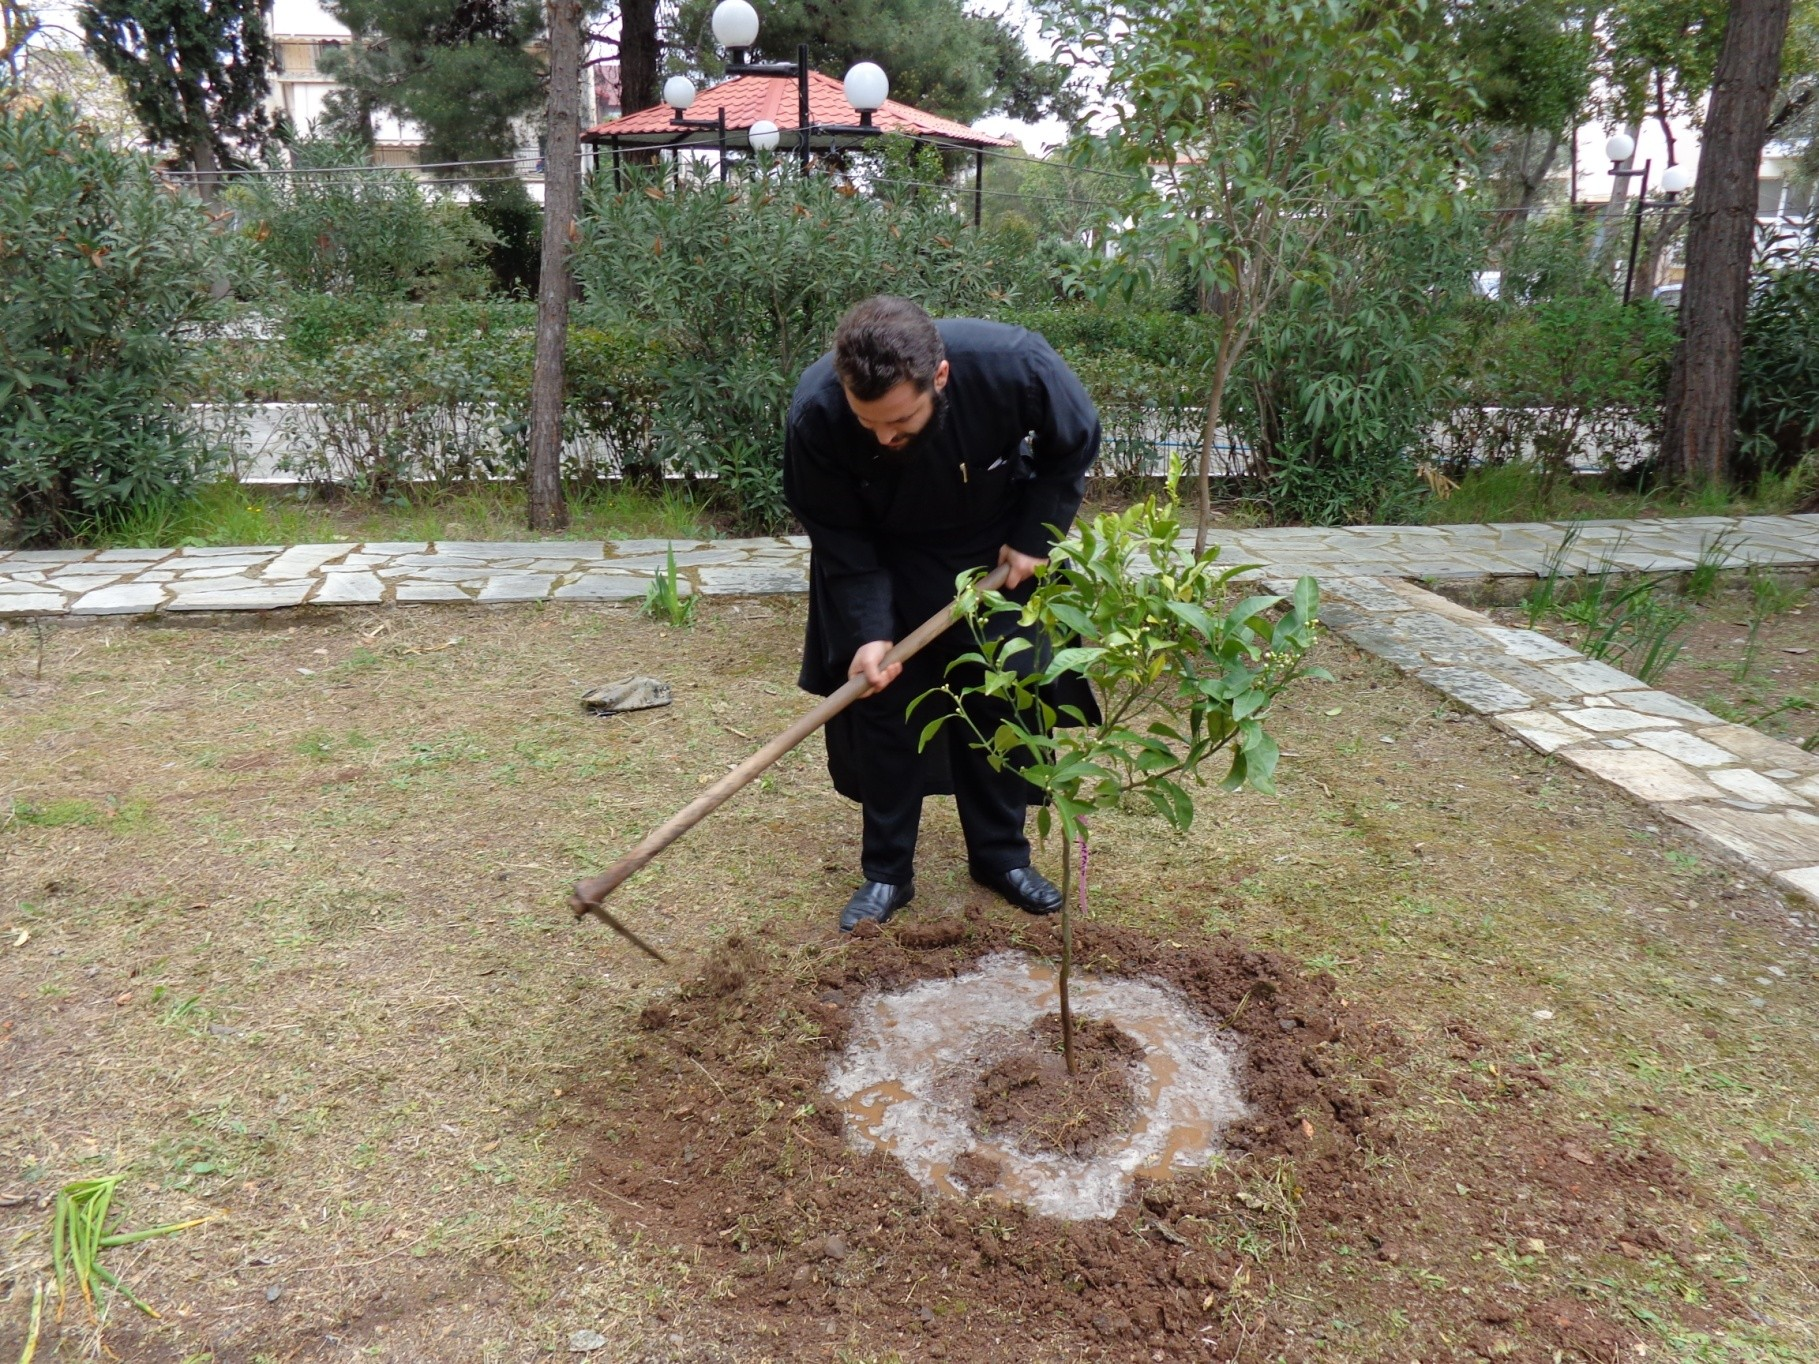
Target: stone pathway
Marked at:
116, 582
1744, 794
142, 581
1754, 798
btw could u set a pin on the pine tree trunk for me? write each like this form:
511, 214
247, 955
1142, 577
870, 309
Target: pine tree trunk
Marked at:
203, 162
639, 54
1698, 429
561, 195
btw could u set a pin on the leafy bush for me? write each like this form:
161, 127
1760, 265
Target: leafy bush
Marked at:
102, 271
1346, 372
404, 396
742, 284
390, 394
372, 232
1557, 371
1778, 399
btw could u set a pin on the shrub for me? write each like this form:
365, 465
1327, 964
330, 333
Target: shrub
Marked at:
1778, 398
1558, 371
1347, 370
740, 286
372, 232
102, 272
404, 395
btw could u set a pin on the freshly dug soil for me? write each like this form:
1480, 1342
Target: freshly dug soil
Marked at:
1030, 1098
713, 1138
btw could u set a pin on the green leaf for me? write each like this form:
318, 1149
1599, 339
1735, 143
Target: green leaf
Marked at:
1075, 660
930, 730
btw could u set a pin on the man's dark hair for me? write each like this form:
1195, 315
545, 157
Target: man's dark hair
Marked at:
883, 341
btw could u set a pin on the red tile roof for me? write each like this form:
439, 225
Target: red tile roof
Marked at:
747, 99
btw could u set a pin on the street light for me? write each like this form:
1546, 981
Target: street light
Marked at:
764, 136
1674, 181
679, 94
735, 25
866, 86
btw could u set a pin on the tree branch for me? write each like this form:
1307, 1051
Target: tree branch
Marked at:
1792, 110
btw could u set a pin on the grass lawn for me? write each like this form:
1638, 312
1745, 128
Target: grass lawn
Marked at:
1511, 492
228, 514
282, 940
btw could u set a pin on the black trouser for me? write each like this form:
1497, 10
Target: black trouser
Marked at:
992, 804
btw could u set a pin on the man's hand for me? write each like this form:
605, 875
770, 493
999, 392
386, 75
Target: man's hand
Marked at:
869, 663
1023, 568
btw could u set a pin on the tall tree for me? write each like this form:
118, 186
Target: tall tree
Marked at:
640, 54
195, 72
561, 198
1699, 419
462, 71
1280, 127
940, 56
1531, 63
19, 24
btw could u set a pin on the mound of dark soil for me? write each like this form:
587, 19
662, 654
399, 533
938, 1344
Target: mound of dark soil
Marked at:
715, 1144
1029, 1098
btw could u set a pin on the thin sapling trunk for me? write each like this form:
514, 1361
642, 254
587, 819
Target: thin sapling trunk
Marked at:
1067, 949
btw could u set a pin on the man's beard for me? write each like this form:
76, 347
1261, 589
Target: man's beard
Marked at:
916, 444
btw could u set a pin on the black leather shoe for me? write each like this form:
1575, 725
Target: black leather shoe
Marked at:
1024, 887
877, 901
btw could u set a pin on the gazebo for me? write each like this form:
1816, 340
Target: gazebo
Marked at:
805, 99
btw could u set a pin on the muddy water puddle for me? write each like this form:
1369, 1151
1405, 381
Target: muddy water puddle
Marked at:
907, 1077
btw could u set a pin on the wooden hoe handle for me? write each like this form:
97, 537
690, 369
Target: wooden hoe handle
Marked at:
589, 893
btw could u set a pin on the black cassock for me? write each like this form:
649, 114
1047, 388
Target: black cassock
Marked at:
890, 532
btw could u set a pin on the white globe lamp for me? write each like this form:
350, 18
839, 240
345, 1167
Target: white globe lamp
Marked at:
1620, 148
1676, 180
763, 134
735, 24
679, 93
866, 89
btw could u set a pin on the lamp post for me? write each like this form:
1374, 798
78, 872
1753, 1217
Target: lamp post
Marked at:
679, 94
1674, 180
735, 25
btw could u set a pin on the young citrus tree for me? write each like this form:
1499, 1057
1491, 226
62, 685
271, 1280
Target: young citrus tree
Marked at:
1181, 667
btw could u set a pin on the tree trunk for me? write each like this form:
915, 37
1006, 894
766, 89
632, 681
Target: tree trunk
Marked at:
1699, 421
1648, 269
202, 161
561, 194
1229, 346
638, 54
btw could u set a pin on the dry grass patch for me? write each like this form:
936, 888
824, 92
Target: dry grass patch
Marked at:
284, 942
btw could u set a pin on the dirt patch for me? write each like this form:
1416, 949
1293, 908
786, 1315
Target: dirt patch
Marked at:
714, 1135
1030, 1098
1748, 652
361, 1027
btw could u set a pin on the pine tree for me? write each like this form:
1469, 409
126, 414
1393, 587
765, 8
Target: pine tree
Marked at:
195, 73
